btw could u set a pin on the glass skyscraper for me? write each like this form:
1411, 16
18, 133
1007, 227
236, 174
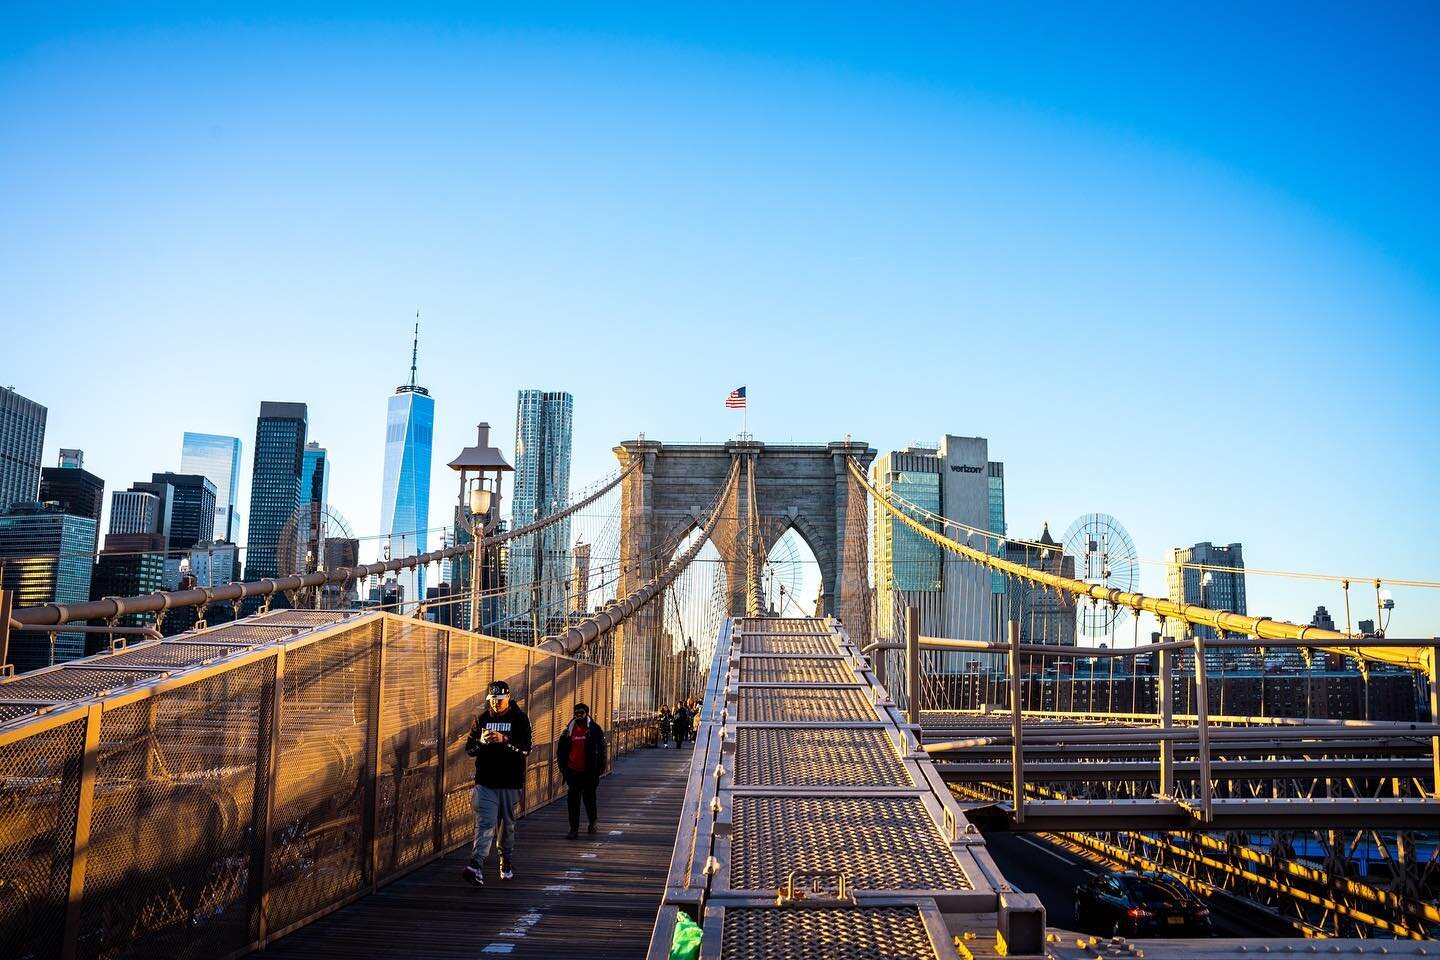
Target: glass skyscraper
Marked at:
217, 458
955, 480
315, 476
22, 437
405, 487
539, 572
46, 558
274, 483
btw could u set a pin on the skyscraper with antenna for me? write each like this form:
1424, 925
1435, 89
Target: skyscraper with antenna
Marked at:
405, 492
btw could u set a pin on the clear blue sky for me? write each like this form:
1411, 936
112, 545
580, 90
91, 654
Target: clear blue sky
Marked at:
1178, 265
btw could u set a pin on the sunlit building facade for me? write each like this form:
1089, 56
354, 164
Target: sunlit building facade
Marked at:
540, 567
45, 553
274, 483
22, 438
217, 458
954, 480
405, 486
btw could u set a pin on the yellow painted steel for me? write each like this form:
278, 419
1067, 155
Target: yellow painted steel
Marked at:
1416, 658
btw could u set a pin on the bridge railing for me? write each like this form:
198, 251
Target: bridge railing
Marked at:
217, 789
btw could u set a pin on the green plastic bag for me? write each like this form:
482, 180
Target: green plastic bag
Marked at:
685, 943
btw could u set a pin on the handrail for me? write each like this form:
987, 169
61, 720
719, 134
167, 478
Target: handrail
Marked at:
55, 614
598, 625
1264, 628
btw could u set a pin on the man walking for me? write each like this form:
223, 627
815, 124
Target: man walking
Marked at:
581, 756
681, 724
499, 741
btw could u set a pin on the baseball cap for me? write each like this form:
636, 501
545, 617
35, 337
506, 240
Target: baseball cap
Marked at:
499, 689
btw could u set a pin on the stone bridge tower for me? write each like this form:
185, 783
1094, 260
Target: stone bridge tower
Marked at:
807, 487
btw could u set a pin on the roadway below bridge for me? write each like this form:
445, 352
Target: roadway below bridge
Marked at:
1052, 871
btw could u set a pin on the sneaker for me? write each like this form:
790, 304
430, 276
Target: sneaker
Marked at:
507, 869
573, 834
473, 876
592, 827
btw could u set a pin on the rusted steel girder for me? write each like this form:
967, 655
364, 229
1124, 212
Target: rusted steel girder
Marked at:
1262, 628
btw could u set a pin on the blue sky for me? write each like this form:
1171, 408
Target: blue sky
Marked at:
1177, 265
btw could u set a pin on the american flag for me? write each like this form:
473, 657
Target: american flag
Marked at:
736, 400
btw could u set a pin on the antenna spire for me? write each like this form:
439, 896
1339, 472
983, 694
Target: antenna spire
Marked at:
415, 348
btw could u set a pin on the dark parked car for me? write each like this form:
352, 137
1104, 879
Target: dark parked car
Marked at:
1139, 905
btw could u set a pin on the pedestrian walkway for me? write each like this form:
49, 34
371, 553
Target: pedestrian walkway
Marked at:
601, 891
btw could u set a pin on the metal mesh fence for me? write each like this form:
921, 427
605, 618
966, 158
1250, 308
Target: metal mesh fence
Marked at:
39, 792
409, 736
220, 816
170, 833
317, 833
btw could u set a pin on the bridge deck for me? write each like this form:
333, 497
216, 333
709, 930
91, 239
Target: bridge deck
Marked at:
602, 891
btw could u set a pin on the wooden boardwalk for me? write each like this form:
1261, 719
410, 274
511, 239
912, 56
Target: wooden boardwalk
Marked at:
596, 896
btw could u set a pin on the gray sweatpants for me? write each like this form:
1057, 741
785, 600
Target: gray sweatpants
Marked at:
494, 810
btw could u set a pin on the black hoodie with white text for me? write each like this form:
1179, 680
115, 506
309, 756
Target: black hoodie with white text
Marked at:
500, 765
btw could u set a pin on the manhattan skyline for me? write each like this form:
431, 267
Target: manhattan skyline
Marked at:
888, 229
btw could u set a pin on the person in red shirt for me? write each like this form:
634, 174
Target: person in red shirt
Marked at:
580, 753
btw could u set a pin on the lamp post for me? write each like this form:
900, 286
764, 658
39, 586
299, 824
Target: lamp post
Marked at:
478, 509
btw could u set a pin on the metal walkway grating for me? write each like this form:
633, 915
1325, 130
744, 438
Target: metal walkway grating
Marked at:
171, 656
868, 933
795, 670
791, 625
757, 643
804, 705
71, 683
790, 757
882, 843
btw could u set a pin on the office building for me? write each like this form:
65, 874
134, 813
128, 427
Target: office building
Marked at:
134, 511
956, 481
78, 491
46, 557
1045, 615
405, 484
22, 438
130, 565
1214, 577
192, 509
213, 564
580, 579
274, 483
217, 458
539, 566
314, 476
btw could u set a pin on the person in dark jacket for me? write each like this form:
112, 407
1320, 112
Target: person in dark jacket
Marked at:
666, 720
681, 724
580, 753
499, 741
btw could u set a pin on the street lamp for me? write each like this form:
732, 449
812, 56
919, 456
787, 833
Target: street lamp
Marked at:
480, 468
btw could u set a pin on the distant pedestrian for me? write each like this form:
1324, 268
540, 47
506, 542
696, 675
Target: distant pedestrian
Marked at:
581, 756
667, 724
693, 708
499, 741
681, 725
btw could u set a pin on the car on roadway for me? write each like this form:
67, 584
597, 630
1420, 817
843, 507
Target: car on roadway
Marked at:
1136, 904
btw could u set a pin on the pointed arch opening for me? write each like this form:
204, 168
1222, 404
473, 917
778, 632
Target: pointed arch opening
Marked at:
792, 580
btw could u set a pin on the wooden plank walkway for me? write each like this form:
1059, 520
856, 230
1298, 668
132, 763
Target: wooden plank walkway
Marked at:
596, 896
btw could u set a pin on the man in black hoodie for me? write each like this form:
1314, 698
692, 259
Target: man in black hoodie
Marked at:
581, 756
499, 741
